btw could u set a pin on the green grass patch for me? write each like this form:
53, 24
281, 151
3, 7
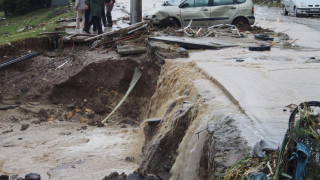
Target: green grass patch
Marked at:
30, 25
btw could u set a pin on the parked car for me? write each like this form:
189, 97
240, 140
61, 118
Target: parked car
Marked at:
202, 12
301, 7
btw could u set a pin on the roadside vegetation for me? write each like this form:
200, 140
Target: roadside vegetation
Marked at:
14, 28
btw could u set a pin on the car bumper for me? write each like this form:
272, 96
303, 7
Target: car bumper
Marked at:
308, 10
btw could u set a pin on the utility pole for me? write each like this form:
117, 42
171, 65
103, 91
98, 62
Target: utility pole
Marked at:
136, 11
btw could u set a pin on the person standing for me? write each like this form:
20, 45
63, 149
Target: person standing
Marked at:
79, 6
95, 7
109, 5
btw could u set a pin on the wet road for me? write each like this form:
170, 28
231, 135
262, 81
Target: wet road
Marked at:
266, 82
305, 30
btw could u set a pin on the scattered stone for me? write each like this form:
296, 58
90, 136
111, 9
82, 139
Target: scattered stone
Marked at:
69, 115
131, 122
43, 115
284, 110
129, 158
82, 128
33, 176
24, 90
84, 120
312, 57
8, 131
123, 126
65, 133
24, 127
115, 176
239, 60
20, 139
36, 122
8, 144
15, 176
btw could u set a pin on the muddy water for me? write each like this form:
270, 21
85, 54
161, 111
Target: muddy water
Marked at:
59, 150
186, 82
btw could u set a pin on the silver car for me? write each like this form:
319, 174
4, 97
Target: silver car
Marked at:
202, 12
301, 7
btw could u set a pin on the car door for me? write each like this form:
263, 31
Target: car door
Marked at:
197, 10
223, 11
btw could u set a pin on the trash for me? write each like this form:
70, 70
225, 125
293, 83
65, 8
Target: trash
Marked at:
301, 157
131, 49
62, 65
20, 30
136, 76
264, 145
263, 37
21, 58
257, 176
260, 48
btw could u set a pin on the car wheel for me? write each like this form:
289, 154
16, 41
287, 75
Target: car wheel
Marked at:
240, 22
295, 12
285, 12
170, 22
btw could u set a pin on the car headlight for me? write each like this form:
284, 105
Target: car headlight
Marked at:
302, 5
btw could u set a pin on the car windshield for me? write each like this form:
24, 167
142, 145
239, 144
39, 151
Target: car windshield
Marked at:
174, 2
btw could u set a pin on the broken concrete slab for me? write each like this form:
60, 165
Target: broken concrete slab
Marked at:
190, 43
131, 49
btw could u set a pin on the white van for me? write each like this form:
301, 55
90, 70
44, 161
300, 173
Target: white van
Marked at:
203, 12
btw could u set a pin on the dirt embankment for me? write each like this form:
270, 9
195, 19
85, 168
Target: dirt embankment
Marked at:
76, 79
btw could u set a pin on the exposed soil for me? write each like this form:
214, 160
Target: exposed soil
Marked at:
87, 79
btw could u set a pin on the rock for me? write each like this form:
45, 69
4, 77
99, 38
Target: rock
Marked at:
24, 90
69, 115
84, 120
129, 158
24, 127
33, 176
115, 176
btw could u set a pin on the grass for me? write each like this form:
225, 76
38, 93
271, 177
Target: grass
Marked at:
29, 25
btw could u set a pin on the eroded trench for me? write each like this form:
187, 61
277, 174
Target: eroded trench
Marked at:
176, 123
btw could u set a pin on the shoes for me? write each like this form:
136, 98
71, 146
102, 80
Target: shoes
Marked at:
109, 25
104, 25
86, 30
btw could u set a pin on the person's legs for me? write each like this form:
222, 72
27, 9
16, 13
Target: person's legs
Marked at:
109, 16
78, 19
88, 22
103, 16
99, 25
82, 16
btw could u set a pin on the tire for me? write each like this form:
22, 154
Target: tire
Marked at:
263, 37
260, 48
285, 12
314, 106
240, 21
170, 22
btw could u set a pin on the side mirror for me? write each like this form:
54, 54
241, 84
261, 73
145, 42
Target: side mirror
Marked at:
183, 5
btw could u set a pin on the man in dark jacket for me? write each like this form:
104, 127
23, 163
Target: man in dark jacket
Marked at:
109, 5
95, 7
